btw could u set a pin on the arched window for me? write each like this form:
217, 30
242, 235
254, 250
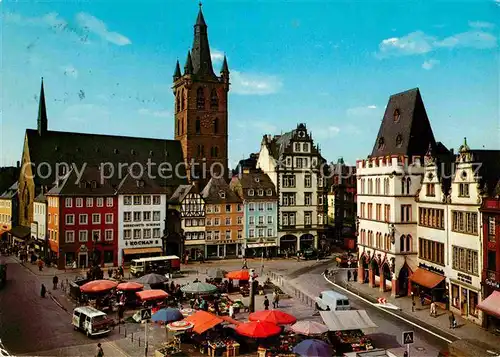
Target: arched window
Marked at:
408, 243
201, 150
216, 126
183, 102
403, 186
178, 127
200, 98
214, 152
362, 186
408, 185
402, 241
198, 126
178, 103
370, 186
214, 99
386, 186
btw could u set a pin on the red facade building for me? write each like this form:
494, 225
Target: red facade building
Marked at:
491, 262
82, 221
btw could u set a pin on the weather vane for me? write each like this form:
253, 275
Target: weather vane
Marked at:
200, 4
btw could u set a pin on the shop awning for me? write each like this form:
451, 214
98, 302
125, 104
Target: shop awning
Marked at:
491, 305
131, 251
203, 321
347, 320
20, 232
426, 278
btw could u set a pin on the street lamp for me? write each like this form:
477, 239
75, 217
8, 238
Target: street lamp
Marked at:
392, 232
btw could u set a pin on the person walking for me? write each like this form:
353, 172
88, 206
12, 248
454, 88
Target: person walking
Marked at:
422, 298
355, 275
266, 303
55, 281
43, 291
100, 352
40, 264
276, 299
348, 275
245, 264
433, 309
452, 320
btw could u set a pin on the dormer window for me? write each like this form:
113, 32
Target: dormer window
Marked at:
222, 194
397, 115
297, 147
269, 192
140, 183
94, 184
261, 192
305, 147
257, 179
132, 152
250, 192
399, 140
381, 143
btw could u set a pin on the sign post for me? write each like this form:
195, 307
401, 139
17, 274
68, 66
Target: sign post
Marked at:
145, 316
408, 339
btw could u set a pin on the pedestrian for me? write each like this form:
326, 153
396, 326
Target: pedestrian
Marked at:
245, 264
348, 275
298, 256
413, 305
277, 299
266, 303
100, 352
354, 275
121, 312
422, 299
433, 309
110, 272
452, 320
40, 264
231, 311
43, 291
55, 280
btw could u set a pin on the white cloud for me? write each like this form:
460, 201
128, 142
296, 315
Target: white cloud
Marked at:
70, 71
417, 43
361, 111
216, 55
430, 64
254, 84
99, 28
154, 113
481, 24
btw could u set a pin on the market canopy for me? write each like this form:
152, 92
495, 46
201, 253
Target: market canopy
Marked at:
309, 328
203, 321
153, 294
426, 278
167, 315
491, 304
98, 286
258, 329
238, 275
347, 320
152, 279
216, 273
274, 316
129, 286
199, 288
316, 348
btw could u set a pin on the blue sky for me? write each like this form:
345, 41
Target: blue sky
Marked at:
108, 68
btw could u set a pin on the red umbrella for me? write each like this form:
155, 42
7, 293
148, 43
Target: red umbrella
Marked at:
129, 286
238, 275
258, 329
274, 316
98, 286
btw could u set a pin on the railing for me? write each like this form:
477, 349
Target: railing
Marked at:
291, 290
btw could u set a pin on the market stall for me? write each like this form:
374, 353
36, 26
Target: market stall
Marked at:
199, 288
155, 298
276, 317
309, 328
312, 347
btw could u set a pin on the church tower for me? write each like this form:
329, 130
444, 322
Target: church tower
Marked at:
201, 117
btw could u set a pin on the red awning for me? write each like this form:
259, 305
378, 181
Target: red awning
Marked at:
426, 278
491, 305
203, 321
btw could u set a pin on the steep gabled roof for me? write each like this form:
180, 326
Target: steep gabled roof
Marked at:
11, 192
443, 159
212, 192
253, 180
86, 183
488, 170
181, 192
405, 127
135, 183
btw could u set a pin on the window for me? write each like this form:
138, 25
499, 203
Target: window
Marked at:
378, 212
209, 222
108, 234
156, 232
146, 200
405, 185
305, 147
463, 190
83, 236
96, 218
405, 213
137, 200
240, 220
216, 221
491, 229
261, 206
269, 192
307, 198
216, 130
89, 202
261, 192
370, 186
228, 208
387, 213
240, 234
127, 216
251, 233
307, 181
307, 218
228, 234
68, 202
397, 115
214, 99
369, 212
239, 207
288, 199
96, 235
228, 221
269, 206
70, 237
261, 220
465, 260
137, 234
146, 216
70, 219
197, 126
156, 216
156, 200
269, 219
430, 190
250, 192
431, 217
83, 219
288, 181
137, 216
146, 233
299, 162
464, 222
214, 151
261, 232
251, 220
200, 98
79, 202
362, 210
269, 232
127, 200
127, 234
386, 186
431, 251
109, 202
377, 186
109, 218
405, 243
297, 147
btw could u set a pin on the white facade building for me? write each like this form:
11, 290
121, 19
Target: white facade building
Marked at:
292, 162
141, 222
39, 225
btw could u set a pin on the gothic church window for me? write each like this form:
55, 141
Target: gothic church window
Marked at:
182, 100
216, 126
214, 99
198, 126
178, 127
178, 103
200, 98
214, 152
397, 115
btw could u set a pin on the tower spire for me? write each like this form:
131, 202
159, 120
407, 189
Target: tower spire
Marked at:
202, 61
42, 121
188, 67
225, 68
177, 72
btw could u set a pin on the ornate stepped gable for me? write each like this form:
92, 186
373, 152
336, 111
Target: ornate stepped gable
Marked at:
405, 127
442, 158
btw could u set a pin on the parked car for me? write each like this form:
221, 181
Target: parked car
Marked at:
330, 300
91, 321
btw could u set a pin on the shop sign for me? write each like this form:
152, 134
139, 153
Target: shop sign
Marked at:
464, 278
141, 242
153, 224
492, 283
132, 225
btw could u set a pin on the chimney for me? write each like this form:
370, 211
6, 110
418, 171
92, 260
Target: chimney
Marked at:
18, 164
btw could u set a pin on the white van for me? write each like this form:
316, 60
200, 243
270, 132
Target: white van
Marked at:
91, 321
330, 300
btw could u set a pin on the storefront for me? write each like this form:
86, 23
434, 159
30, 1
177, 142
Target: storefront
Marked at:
288, 243
430, 282
136, 253
306, 242
194, 250
219, 251
259, 250
464, 298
